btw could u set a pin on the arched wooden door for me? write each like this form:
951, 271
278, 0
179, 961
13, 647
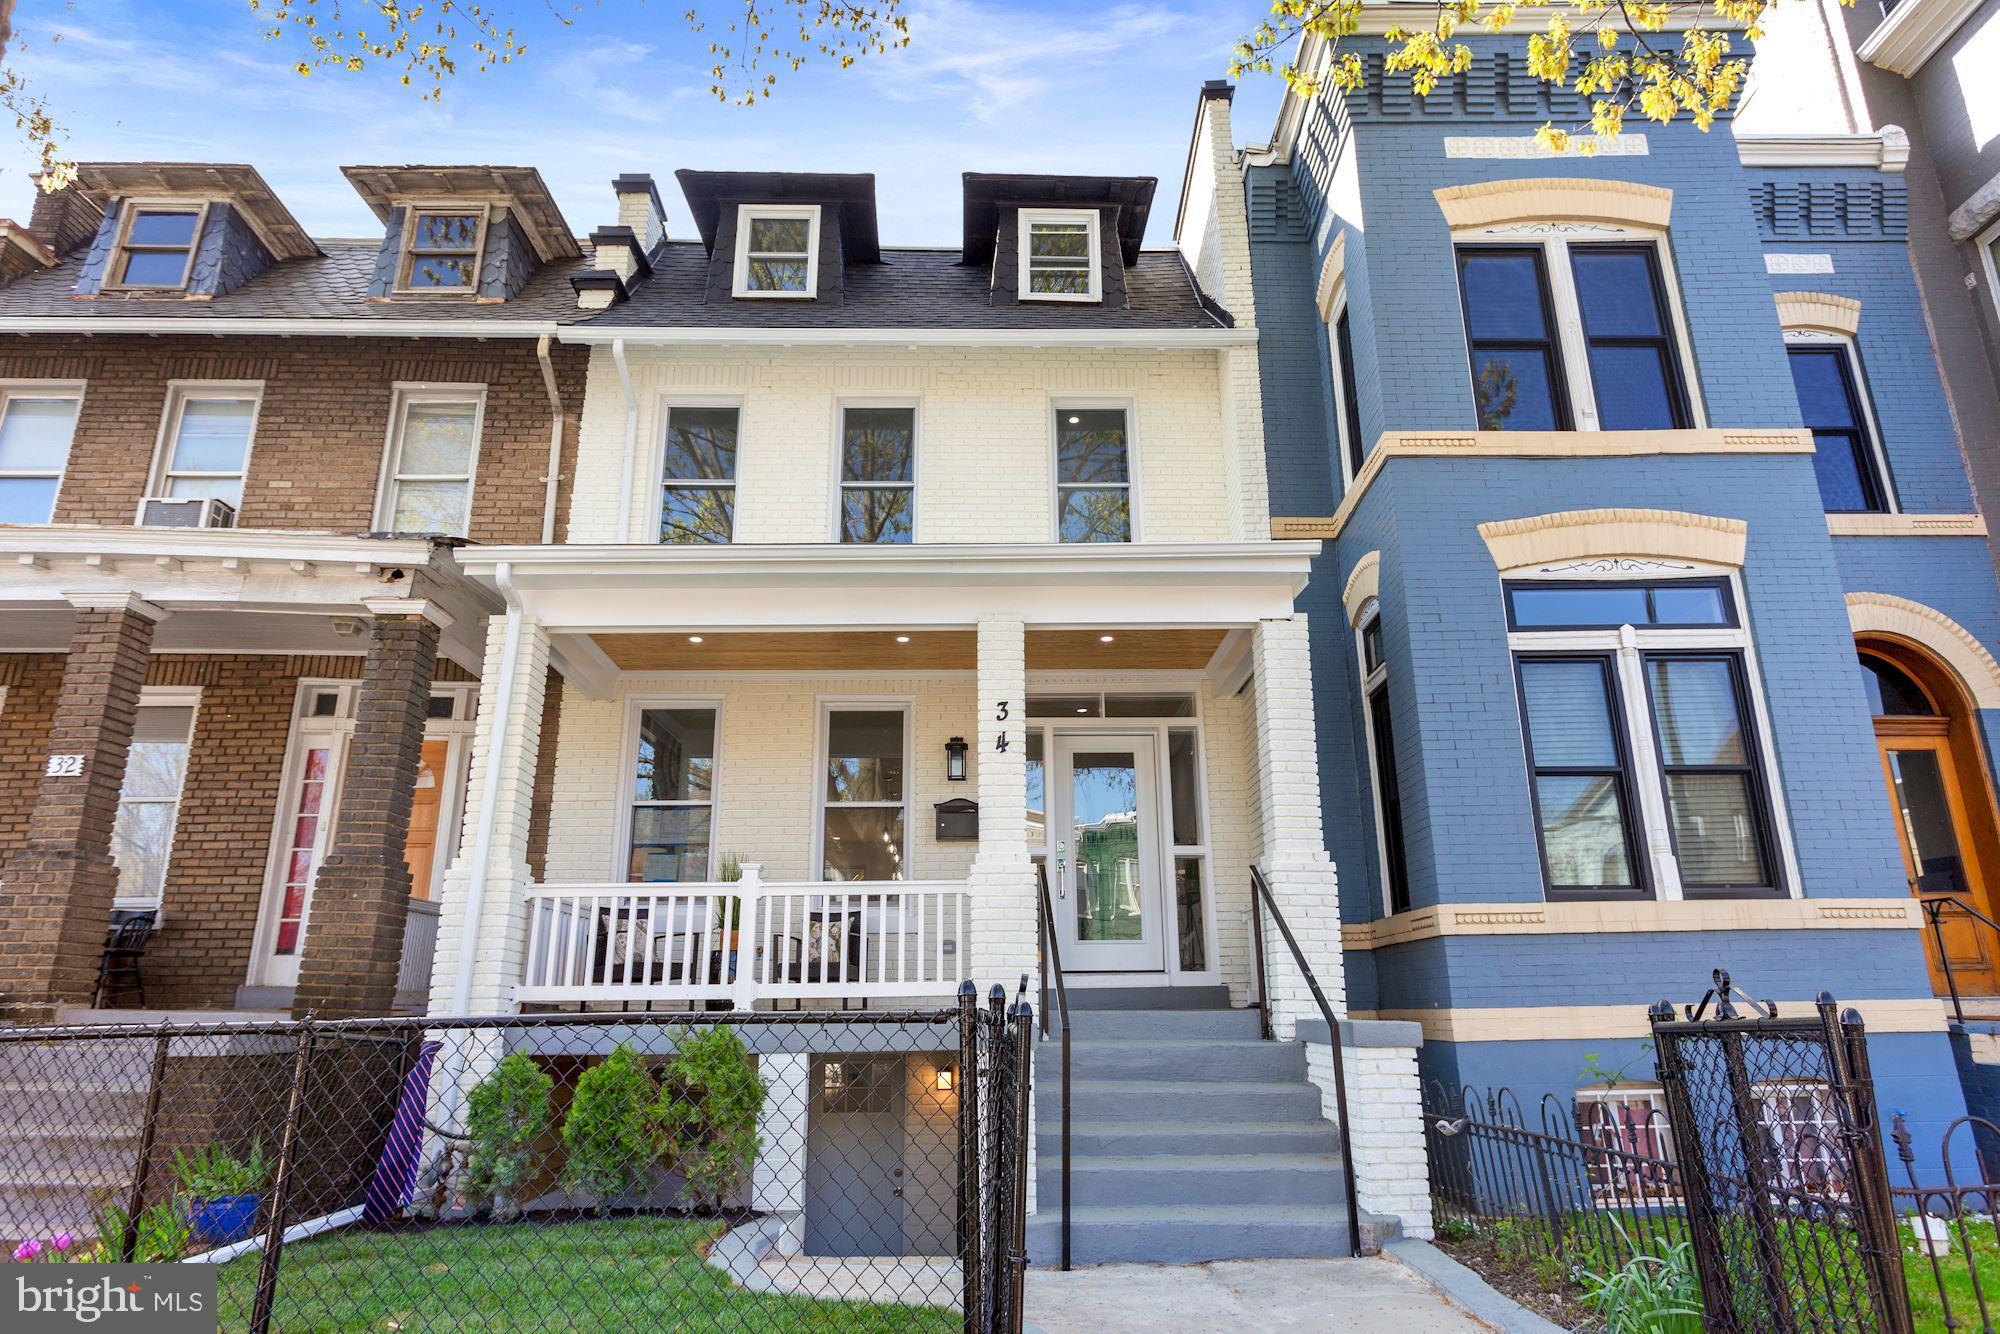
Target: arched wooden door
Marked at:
1941, 805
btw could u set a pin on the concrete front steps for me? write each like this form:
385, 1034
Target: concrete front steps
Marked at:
1191, 1138
70, 1121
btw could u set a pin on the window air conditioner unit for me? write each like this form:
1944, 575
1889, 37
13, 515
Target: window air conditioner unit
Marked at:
192, 512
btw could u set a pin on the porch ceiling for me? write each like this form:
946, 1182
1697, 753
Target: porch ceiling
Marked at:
887, 651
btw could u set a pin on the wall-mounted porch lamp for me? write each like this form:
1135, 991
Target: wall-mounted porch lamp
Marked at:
954, 759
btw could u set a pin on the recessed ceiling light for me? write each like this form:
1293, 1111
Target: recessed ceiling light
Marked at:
694, 639
1083, 710
1074, 420
902, 639
1105, 639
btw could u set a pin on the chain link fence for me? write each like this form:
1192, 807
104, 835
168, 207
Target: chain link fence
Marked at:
728, 1171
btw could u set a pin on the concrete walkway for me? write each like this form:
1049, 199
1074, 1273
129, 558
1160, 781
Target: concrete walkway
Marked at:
1240, 1296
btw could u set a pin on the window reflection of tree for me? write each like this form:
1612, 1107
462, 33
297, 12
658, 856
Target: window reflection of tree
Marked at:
1494, 394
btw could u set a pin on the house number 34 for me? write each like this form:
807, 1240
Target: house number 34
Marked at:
1000, 715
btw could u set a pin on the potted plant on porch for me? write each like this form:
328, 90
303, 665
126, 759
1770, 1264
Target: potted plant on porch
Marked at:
223, 1192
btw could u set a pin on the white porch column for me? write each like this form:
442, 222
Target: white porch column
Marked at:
1002, 882
492, 862
1291, 847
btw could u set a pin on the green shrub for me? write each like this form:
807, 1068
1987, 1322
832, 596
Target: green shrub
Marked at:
606, 1133
163, 1236
506, 1113
1655, 1293
706, 1116
214, 1172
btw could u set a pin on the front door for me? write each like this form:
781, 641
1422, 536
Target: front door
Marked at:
426, 808
1931, 828
1108, 868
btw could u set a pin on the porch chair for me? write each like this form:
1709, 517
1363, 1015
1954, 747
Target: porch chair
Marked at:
125, 944
799, 964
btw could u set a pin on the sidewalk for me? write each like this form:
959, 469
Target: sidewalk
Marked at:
1241, 1296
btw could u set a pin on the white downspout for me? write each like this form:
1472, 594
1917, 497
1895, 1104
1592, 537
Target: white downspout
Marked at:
631, 440
556, 420
500, 708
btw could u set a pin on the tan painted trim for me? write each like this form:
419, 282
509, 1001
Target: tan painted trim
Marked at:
1529, 1023
1819, 310
1363, 583
1546, 539
1906, 525
1555, 198
1563, 919
1332, 276
1300, 529
1544, 445
1957, 647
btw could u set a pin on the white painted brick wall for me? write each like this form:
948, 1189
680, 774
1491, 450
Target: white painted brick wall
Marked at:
985, 437
1385, 1101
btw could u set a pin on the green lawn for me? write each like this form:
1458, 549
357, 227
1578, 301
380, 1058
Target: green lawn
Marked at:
1925, 1307
619, 1273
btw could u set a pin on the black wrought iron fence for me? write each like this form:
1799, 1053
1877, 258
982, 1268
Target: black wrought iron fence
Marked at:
846, 1170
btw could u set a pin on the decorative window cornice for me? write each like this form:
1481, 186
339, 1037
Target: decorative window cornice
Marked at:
1927, 627
1332, 277
1630, 534
1364, 584
1547, 198
1821, 311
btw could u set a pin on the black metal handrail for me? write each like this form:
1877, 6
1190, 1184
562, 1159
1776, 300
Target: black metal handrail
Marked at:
1934, 907
1053, 962
1260, 891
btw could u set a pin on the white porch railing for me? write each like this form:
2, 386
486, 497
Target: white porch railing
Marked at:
744, 941
420, 938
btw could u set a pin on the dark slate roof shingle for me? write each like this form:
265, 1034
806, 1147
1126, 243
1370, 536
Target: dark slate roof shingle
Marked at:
332, 287
909, 289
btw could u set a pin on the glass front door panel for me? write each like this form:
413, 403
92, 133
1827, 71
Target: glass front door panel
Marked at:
1105, 840
1110, 865
1925, 813
303, 848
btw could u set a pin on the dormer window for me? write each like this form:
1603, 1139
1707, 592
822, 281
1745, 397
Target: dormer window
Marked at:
441, 250
777, 251
1059, 255
156, 245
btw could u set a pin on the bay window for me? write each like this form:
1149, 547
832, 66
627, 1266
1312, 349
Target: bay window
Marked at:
1648, 776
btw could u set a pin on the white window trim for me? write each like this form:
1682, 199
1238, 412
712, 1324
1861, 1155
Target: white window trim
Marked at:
129, 211
69, 389
1093, 222
745, 214
406, 257
1056, 407
828, 705
166, 697
1626, 643
660, 479
1371, 613
628, 779
840, 409
1985, 242
1570, 340
338, 729
179, 394
392, 477
1339, 381
1825, 338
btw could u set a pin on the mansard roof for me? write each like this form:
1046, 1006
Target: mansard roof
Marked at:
911, 288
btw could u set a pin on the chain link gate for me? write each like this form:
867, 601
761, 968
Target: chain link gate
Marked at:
1780, 1152
999, 1047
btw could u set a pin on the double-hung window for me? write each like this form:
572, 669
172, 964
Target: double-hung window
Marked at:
878, 463
673, 795
777, 251
207, 443
1846, 456
1059, 255
1350, 398
156, 246
149, 802
1382, 756
35, 429
1647, 771
864, 794
1093, 475
427, 485
1568, 334
441, 250
698, 481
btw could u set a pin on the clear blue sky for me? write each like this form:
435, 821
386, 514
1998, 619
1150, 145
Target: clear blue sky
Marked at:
985, 85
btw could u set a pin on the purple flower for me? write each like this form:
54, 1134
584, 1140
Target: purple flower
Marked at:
62, 1241
28, 1249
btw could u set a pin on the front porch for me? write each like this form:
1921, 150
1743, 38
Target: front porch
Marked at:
817, 777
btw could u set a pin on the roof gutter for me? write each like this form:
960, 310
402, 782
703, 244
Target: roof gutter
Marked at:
631, 439
619, 336
221, 325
